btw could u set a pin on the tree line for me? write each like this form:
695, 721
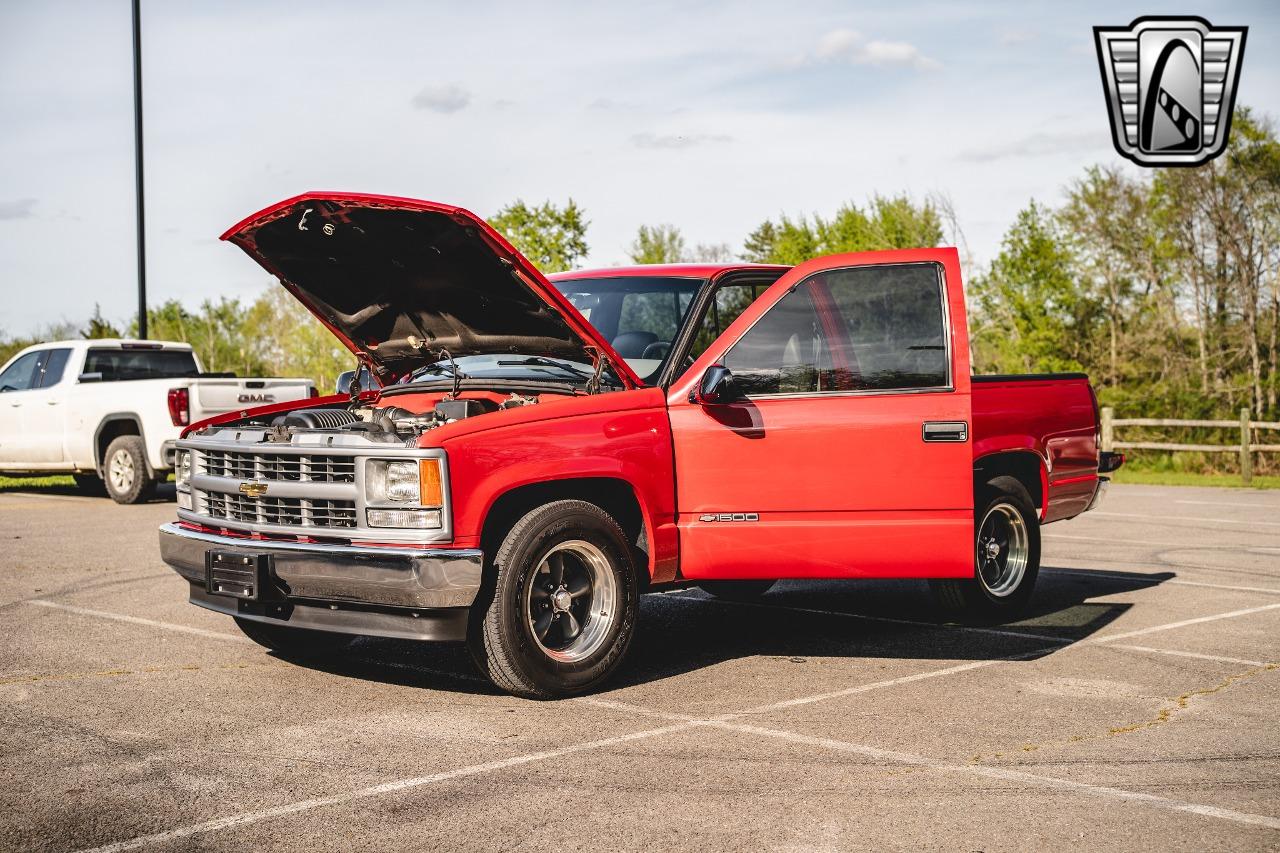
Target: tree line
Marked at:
1163, 284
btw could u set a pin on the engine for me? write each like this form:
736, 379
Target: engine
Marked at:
391, 424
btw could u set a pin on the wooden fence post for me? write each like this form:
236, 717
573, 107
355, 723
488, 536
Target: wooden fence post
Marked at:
1108, 431
1246, 459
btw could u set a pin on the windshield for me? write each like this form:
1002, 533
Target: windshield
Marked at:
639, 315
515, 367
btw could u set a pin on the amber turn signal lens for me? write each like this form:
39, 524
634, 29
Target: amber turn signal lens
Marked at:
431, 490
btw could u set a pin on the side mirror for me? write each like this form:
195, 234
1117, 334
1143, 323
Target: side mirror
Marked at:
96, 376
717, 387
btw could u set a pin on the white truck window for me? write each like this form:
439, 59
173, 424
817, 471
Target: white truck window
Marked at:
123, 365
18, 376
52, 364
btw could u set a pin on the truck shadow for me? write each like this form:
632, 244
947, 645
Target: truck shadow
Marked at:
689, 630
165, 492
874, 619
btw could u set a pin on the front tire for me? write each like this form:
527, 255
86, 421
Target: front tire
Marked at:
294, 642
128, 478
1006, 557
564, 607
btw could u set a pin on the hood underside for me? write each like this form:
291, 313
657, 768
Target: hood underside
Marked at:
399, 281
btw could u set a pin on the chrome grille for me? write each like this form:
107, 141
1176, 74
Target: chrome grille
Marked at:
300, 512
306, 468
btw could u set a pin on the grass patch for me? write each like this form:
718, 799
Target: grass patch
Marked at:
57, 481
1189, 478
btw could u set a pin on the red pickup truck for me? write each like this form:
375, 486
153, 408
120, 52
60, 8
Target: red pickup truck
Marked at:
541, 451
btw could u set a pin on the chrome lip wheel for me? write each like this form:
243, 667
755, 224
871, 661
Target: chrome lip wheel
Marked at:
571, 600
1003, 549
121, 471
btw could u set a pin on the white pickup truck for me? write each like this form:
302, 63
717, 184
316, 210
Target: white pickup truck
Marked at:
110, 410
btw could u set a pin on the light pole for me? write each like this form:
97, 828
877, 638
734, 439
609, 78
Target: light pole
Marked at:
137, 150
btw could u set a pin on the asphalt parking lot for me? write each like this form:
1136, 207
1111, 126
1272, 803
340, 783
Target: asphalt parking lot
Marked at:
1136, 707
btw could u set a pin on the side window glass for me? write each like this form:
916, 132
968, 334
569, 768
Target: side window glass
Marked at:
19, 375
730, 300
51, 370
785, 352
895, 324
855, 329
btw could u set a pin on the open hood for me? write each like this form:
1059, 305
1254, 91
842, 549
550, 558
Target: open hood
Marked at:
398, 280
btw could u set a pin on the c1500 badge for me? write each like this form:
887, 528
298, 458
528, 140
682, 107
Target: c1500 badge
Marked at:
730, 516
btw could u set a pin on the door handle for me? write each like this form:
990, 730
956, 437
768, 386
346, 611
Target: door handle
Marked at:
945, 431
51, 402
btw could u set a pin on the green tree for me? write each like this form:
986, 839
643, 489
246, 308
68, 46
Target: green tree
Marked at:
98, 326
658, 244
887, 222
553, 238
1028, 308
294, 342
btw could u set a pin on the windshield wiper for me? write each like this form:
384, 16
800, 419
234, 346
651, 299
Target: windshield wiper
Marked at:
540, 361
448, 369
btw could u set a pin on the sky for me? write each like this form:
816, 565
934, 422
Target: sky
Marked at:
709, 116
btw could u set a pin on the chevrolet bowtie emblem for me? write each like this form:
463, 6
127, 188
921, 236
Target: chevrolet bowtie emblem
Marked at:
1171, 87
253, 490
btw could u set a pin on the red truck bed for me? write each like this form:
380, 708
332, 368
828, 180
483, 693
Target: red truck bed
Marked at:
1053, 415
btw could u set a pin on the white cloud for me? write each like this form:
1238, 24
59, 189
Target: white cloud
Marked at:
18, 208
442, 98
1009, 38
837, 44
850, 46
677, 140
1037, 145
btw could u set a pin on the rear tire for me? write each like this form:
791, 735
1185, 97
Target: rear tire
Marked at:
90, 484
294, 642
128, 478
1006, 557
564, 606
742, 591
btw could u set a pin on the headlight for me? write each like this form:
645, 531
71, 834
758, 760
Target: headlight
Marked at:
404, 493
182, 467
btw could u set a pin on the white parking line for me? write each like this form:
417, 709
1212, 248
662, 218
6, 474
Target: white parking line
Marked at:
726, 721
1170, 626
137, 620
1227, 503
1197, 655
247, 818
1174, 519
722, 721
1157, 581
1167, 545
1008, 775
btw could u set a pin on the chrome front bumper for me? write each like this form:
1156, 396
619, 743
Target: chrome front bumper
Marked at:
370, 576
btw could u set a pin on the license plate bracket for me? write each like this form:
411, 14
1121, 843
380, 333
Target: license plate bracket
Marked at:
236, 574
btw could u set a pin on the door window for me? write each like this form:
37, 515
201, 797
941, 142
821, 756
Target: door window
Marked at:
18, 376
874, 328
730, 300
49, 370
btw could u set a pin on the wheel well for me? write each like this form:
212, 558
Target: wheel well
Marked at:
111, 429
1022, 465
614, 496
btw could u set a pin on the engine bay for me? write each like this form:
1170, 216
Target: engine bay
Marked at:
390, 423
